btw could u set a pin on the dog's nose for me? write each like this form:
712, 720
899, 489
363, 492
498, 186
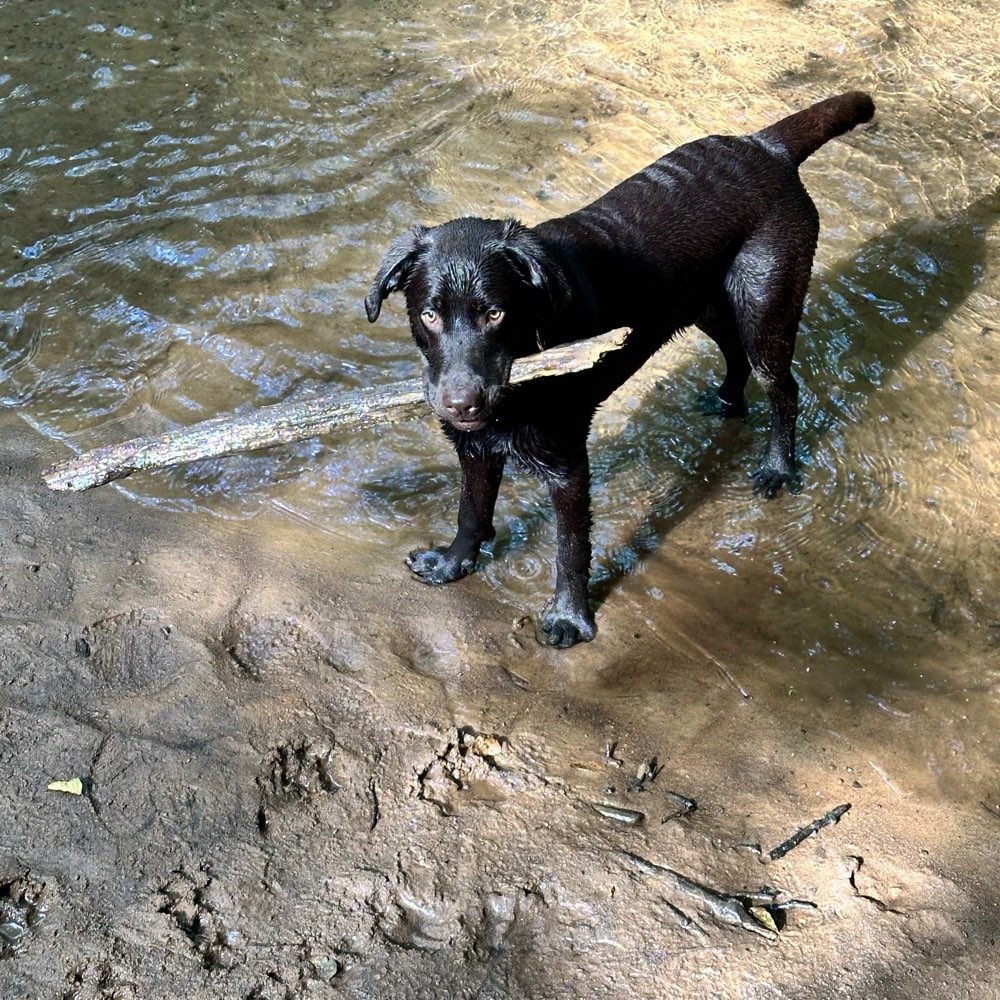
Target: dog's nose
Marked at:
463, 404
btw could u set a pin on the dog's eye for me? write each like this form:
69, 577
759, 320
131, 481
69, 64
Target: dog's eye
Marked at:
430, 318
494, 315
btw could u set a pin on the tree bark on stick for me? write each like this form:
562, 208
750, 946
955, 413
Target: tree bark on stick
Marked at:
283, 423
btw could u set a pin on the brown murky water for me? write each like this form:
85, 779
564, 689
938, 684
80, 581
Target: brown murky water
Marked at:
193, 199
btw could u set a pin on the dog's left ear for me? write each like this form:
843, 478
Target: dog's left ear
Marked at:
395, 269
539, 268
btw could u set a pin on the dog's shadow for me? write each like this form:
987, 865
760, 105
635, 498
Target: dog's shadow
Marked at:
860, 322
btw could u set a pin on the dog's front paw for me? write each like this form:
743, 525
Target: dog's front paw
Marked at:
562, 627
439, 565
768, 482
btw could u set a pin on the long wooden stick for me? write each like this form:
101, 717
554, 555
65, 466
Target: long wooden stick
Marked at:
283, 423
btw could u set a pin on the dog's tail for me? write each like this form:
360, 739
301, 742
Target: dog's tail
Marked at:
804, 132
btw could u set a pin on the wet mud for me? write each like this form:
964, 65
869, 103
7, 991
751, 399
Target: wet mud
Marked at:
284, 793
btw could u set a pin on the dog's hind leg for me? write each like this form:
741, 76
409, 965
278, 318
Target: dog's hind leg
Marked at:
481, 476
719, 323
767, 286
778, 466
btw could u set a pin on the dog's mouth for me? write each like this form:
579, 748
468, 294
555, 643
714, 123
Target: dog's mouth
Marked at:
473, 424
473, 416
468, 405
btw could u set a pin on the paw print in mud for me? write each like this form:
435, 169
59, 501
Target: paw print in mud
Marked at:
22, 910
296, 772
198, 906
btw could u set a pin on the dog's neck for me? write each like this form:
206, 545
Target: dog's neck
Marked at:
580, 316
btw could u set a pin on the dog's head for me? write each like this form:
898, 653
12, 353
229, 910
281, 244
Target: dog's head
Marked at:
478, 291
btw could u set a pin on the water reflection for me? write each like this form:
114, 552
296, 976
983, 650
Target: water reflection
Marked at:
193, 202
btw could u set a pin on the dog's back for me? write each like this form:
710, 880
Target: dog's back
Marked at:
680, 222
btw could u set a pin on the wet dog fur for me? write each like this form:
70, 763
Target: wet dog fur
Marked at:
719, 234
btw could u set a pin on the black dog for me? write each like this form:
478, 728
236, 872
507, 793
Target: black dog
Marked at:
720, 233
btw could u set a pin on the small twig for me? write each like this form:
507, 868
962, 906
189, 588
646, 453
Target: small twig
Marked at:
609, 754
833, 816
752, 911
629, 817
647, 772
685, 805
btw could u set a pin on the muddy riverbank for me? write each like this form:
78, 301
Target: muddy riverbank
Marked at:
302, 776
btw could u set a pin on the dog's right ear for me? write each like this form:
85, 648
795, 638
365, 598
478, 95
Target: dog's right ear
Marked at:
395, 269
541, 271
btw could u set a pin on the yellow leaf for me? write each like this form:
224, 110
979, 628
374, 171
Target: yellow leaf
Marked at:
74, 786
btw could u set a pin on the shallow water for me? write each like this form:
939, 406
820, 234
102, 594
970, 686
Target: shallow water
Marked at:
193, 204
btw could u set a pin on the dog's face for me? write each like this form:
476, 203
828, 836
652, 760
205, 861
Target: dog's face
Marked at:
477, 292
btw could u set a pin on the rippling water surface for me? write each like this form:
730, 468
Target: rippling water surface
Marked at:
193, 202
